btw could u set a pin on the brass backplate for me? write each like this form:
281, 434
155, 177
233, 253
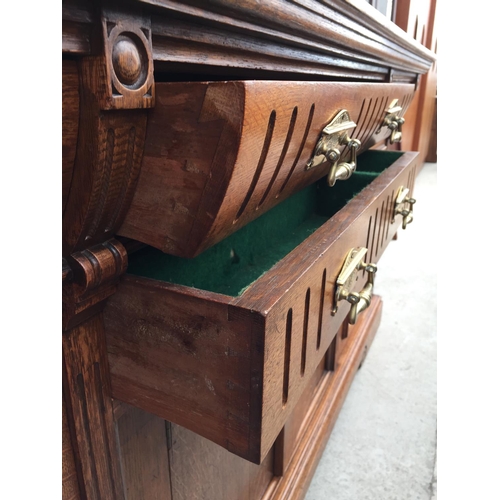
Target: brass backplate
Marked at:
332, 137
348, 274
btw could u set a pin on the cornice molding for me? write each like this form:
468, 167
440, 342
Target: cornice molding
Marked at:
334, 39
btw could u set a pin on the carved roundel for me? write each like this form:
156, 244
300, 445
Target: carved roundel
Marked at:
131, 63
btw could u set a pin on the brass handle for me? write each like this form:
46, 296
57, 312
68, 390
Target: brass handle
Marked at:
347, 278
401, 206
333, 136
362, 300
394, 122
344, 170
396, 125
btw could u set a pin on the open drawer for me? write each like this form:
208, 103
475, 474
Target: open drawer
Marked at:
220, 154
228, 356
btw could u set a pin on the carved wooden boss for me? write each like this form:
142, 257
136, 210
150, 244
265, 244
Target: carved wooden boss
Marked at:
181, 167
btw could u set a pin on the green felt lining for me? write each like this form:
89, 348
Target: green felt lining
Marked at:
230, 266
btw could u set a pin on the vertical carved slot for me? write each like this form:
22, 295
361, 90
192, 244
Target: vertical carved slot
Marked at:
373, 235
368, 118
413, 176
383, 222
370, 122
321, 304
361, 122
331, 354
403, 103
407, 103
368, 238
345, 330
410, 180
357, 130
299, 152
388, 210
304, 332
286, 145
391, 205
377, 246
288, 344
379, 117
260, 165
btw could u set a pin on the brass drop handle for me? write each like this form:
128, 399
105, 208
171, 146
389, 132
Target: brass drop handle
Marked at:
401, 206
396, 125
333, 136
344, 170
347, 278
362, 300
394, 122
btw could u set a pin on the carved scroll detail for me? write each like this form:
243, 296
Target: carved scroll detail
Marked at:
95, 275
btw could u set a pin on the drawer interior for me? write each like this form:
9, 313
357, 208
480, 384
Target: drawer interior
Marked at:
230, 266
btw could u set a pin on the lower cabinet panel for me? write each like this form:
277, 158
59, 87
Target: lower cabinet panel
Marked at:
203, 470
143, 453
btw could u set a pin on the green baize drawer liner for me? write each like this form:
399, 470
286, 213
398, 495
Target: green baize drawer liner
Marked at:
230, 266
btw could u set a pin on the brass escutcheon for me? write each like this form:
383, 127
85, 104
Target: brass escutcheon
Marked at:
403, 205
347, 279
333, 136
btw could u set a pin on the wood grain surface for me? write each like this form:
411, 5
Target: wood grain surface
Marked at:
87, 394
70, 488
143, 448
70, 117
205, 471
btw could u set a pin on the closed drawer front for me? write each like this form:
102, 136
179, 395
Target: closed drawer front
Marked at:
220, 154
232, 366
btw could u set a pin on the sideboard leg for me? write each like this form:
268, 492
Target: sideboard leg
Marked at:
90, 412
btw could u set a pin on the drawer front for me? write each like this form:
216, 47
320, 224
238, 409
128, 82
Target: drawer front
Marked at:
233, 368
220, 154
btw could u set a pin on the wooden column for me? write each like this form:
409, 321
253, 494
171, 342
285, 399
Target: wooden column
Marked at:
105, 99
